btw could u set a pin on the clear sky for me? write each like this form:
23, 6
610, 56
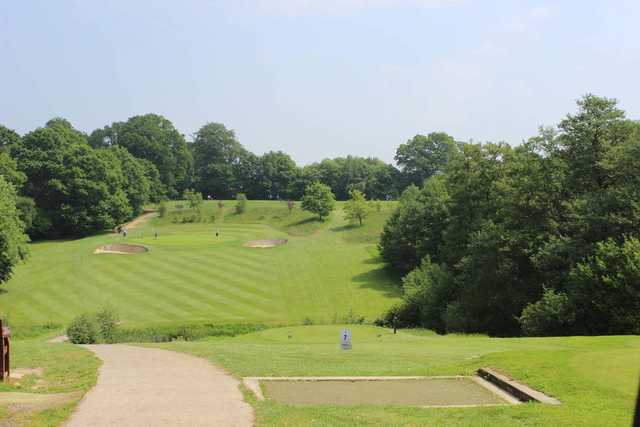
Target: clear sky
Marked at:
317, 78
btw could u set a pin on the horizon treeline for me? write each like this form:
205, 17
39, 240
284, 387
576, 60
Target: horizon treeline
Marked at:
540, 239
69, 183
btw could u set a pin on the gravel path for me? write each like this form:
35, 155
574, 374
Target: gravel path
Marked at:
152, 387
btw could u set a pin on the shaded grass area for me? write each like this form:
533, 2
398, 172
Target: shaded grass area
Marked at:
594, 377
66, 369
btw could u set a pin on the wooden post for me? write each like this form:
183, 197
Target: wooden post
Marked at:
2, 352
5, 361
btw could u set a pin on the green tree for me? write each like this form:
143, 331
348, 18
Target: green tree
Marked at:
218, 159
241, 203
77, 191
424, 156
131, 176
9, 170
551, 315
318, 199
13, 241
153, 138
356, 209
8, 137
278, 173
195, 201
605, 289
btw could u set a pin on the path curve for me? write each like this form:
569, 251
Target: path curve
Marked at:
151, 387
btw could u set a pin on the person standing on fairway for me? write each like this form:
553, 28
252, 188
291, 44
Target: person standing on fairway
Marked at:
155, 234
217, 232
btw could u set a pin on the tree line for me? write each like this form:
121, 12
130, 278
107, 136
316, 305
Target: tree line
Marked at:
69, 183
540, 239
57, 181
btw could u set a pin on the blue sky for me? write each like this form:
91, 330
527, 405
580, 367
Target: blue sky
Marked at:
318, 78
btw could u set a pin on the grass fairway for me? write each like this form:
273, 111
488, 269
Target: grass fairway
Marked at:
325, 270
594, 377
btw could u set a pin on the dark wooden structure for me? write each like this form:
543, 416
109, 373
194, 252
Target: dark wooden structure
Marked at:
5, 361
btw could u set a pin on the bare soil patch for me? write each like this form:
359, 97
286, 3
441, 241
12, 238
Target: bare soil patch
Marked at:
121, 248
269, 243
138, 221
20, 405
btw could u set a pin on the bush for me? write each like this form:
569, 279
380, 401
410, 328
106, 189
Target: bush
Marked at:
162, 209
83, 330
241, 205
186, 332
107, 322
605, 288
551, 315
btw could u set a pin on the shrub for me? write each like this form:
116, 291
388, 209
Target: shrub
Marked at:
107, 322
241, 205
551, 315
605, 288
162, 209
186, 332
83, 330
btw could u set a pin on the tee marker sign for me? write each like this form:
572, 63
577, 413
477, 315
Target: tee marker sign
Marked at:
345, 339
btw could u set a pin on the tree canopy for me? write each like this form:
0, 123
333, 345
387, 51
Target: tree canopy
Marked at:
318, 199
424, 156
500, 226
13, 241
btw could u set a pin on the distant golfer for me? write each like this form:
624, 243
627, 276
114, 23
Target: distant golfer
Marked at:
124, 232
217, 233
155, 234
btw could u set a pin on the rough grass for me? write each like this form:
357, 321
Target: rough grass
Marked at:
594, 377
66, 369
325, 271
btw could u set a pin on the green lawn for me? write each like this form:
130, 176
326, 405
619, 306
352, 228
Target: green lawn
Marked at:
68, 371
594, 377
326, 270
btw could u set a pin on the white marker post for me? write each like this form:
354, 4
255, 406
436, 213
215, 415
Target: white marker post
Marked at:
345, 339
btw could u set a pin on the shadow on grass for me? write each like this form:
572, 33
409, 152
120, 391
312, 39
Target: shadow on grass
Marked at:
304, 221
383, 280
345, 227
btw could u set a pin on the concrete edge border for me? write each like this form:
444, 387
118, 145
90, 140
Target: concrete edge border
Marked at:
520, 391
253, 384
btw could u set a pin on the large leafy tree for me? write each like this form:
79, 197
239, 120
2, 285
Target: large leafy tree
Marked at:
153, 138
77, 191
130, 174
423, 156
548, 228
218, 160
278, 172
8, 137
13, 241
318, 199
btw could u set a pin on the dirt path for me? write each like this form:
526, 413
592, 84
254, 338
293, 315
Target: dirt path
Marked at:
152, 387
138, 221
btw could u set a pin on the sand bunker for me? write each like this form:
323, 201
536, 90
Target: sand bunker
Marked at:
121, 248
271, 243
